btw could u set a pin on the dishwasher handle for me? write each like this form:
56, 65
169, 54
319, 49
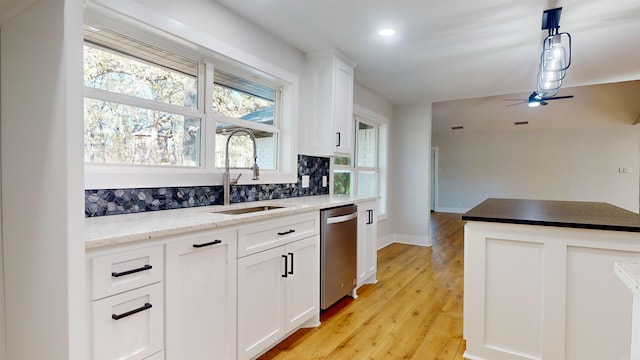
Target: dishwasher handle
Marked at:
342, 218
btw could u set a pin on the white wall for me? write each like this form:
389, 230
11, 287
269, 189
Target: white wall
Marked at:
409, 174
367, 99
232, 32
42, 190
560, 164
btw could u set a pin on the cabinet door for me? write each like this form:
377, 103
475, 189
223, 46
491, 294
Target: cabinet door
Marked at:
200, 297
343, 107
371, 244
261, 301
303, 282
367, 247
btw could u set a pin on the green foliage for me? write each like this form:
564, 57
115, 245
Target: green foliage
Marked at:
342, 182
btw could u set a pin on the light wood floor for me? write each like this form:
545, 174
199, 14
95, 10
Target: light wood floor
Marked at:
413, 312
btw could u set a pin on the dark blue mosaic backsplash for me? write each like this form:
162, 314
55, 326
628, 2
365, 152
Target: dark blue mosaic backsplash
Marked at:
126, 201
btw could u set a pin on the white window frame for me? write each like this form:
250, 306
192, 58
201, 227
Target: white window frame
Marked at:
157, 29
368, 117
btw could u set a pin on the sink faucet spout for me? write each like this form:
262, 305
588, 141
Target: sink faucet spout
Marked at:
226, 178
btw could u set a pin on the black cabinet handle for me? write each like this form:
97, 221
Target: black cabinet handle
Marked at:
286, 265
370, 212
214, 242
144, 307
133, 271
286, 232
291, 271
338, 133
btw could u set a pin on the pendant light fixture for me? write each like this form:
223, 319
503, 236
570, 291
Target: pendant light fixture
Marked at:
555, 58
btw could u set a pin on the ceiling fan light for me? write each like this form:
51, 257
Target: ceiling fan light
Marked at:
534, 103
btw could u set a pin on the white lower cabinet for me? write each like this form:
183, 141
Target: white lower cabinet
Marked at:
367, 243
222, 294
278, 291
201, 297
126, 309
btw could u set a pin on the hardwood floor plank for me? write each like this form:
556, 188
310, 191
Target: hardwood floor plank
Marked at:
413, 312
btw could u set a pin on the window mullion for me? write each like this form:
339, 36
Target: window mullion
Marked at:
129, 100
245, 124
209, 126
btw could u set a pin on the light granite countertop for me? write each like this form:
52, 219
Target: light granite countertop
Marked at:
629, 273
118, 229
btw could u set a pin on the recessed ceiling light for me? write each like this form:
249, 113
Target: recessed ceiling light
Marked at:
386, 32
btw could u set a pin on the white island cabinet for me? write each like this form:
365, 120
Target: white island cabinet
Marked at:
538, 280
367, 243
200, 288
629, 274
278, 287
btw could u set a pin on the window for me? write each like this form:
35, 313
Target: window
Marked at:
159, 117
238, 103
342, 174
139, 108
367, 158
363, 176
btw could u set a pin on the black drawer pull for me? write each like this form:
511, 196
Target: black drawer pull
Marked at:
286, 232
144, 307
133, 271
214, 242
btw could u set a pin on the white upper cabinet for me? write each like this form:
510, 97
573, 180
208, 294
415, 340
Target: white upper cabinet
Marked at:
328, 123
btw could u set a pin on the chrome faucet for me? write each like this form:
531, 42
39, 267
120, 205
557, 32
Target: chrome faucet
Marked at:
226, 178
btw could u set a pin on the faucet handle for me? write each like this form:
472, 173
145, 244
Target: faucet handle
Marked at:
235, 181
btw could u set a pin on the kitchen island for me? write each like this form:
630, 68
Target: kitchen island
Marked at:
539, 280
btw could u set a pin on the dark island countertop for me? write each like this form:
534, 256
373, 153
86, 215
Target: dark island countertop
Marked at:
573, 214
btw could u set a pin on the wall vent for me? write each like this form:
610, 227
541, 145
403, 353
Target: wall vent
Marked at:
521, 123
457, 127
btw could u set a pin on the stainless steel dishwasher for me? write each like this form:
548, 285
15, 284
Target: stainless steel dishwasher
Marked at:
338, 253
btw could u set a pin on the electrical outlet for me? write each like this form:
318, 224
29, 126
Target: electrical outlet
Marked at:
305, 181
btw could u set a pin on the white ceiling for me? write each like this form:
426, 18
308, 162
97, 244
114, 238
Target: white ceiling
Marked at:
453, 49
456, 49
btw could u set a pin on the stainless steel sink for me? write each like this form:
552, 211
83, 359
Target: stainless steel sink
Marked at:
247, 210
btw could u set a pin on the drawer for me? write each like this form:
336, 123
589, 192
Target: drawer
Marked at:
116, 273
267, 234
137, 333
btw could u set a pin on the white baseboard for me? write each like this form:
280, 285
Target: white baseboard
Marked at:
384, 241
404, 239
412, 239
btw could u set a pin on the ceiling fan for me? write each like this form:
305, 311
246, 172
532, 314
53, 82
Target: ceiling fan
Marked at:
536, 100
